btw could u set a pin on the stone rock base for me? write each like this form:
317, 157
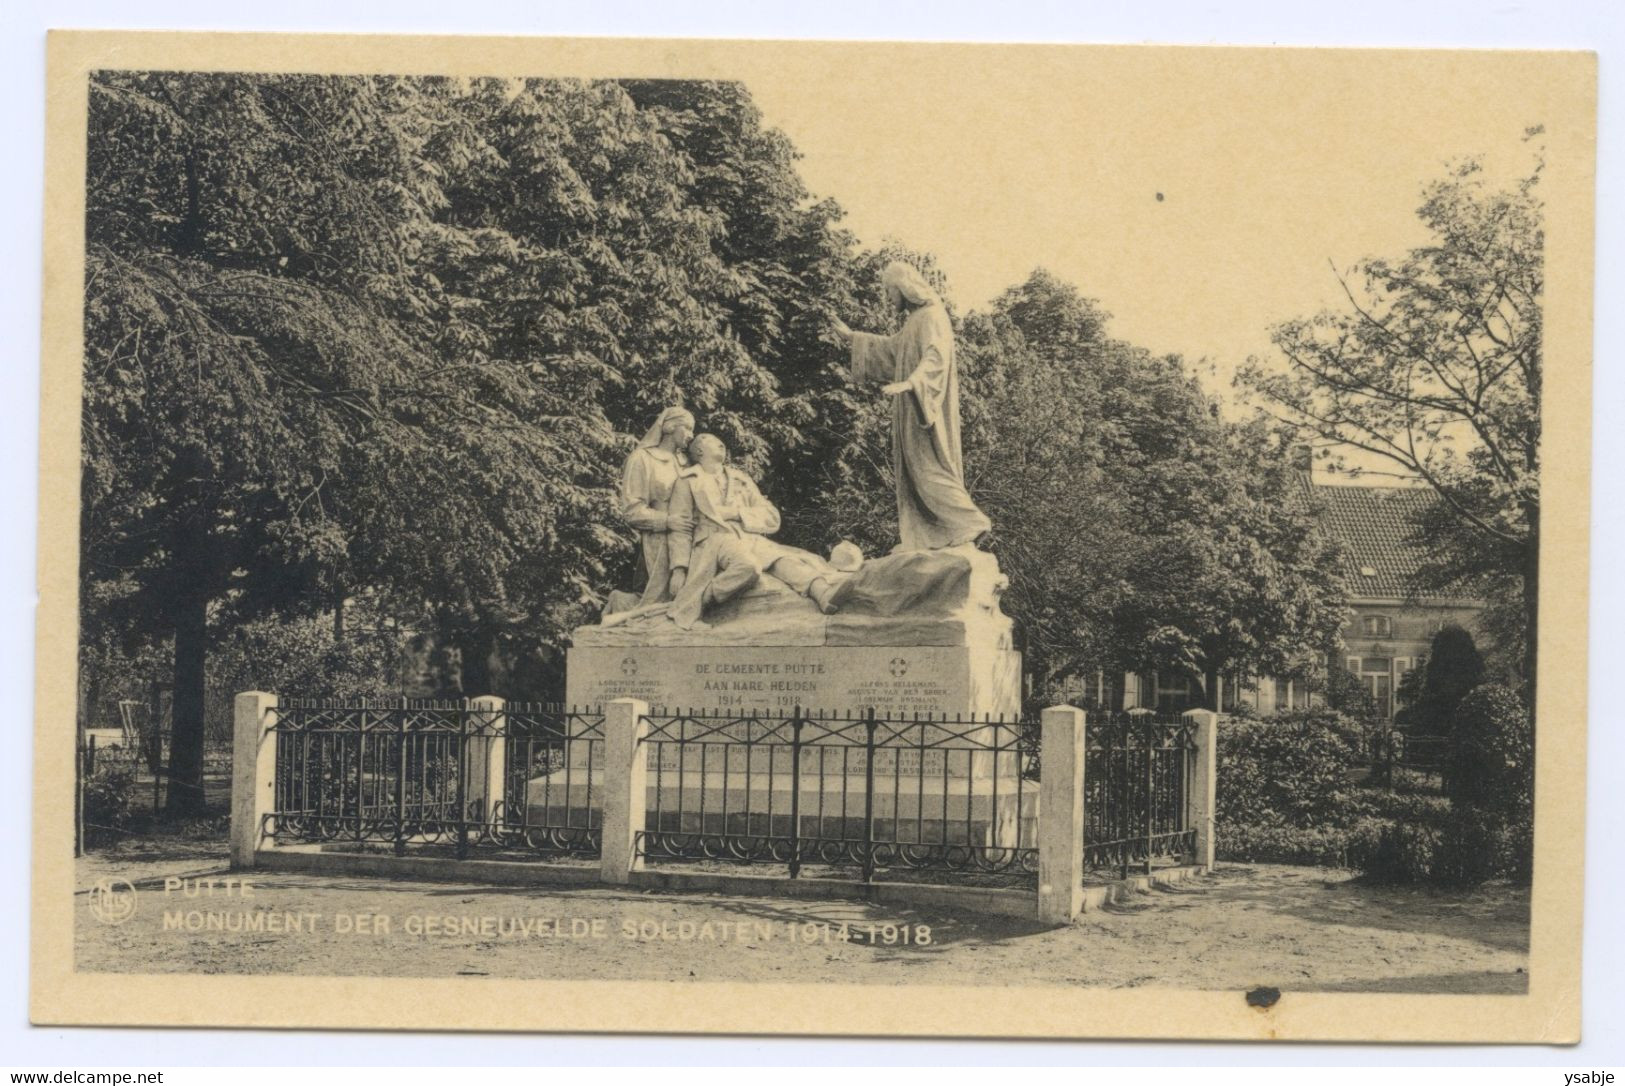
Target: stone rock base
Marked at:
988, 811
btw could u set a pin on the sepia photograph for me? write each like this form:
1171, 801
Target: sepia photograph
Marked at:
863, 537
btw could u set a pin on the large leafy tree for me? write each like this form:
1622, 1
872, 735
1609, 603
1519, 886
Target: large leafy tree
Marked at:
579, 269
789, 267
641, 243
254, 331
1434, 364
393, 336
1173, 540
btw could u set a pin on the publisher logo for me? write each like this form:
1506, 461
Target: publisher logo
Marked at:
112, 901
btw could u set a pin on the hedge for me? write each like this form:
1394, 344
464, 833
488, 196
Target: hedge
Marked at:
1290, 769
1284, 796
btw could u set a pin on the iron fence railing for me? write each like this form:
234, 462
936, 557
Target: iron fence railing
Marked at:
553, 787
859, 792
1138, 769
416, 772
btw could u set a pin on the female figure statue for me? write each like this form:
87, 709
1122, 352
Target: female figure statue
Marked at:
647, 480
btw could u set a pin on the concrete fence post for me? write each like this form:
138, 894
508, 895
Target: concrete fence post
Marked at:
1060, 815
1204, 790
626, 782
487, 753
253, 772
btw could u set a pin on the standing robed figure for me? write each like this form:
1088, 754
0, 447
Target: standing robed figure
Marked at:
647, 480
917, 368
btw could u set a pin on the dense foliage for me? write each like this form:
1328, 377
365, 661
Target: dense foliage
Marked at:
108, 797
1491, 777
392, 337
1292, 769
1289, 792
1492, 752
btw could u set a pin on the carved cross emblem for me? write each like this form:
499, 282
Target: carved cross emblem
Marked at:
629, 666
899, 667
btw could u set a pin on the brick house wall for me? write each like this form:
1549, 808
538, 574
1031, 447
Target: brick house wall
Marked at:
1381, 660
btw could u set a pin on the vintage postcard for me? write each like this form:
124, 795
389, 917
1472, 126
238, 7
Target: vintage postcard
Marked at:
813, 538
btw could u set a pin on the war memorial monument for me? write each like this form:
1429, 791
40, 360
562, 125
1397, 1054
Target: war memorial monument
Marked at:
735, 633
729, 620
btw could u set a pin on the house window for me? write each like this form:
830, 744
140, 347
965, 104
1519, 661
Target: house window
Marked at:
1108, 690
1377, 676
1174, 693
1403, 666
1377, 626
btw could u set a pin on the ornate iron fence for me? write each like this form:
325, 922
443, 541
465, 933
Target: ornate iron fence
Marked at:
554, 778
416, 773
864, 792
1137, 785
860, 793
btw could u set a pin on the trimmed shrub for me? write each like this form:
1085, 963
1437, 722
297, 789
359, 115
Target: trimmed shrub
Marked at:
1454, 667
1398, 852
1492, 753
1289, 770
1322, 846
1285, 797
1514, 845
1491, 782
1394, 806
1471, 848
109, 797
1464, 846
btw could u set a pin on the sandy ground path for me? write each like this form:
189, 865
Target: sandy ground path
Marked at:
1245, 925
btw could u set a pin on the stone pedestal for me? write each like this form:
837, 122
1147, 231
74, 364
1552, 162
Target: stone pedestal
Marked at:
915, 633
917, 637
772, 680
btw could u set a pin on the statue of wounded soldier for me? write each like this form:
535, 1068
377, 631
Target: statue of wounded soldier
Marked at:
719, 545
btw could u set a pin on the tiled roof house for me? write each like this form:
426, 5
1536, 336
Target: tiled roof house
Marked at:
1392, 623
1373, 524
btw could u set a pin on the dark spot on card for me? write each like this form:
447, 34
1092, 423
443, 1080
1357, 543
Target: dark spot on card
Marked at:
1263, 998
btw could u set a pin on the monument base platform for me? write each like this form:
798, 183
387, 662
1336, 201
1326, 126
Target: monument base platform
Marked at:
915, 633
985, 811
772, 680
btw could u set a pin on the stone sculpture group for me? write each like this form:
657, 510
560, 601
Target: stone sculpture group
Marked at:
704, 526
